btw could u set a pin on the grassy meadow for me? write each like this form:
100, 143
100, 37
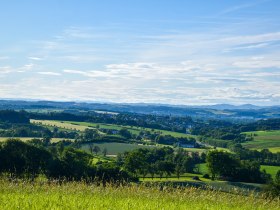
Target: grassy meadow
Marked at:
264, 140
81, 126
202, 168
82, 196
270, 169
60, 124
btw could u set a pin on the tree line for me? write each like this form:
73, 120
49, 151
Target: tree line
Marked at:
28, 160
227, 166
159, 162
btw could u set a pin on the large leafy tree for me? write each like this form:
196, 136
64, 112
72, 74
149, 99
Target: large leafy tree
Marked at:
221, 164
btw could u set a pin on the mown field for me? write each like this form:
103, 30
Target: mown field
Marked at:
132, 129
60, 124
82, 196
112, 148
81, 126
264, 140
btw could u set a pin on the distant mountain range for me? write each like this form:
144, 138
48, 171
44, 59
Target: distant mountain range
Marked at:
232, 107
227, 111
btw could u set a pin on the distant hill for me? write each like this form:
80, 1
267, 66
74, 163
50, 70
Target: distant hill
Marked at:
218, 111
231, 107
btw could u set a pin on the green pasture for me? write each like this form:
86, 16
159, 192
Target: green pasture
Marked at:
132, 129
264, 140
81, 126
272, 170
202, 168
60, 124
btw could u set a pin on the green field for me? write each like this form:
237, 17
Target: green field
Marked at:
202, 168
81, 196
132, 129
115, 148
81, 126
271, 169
60, 124
264, 140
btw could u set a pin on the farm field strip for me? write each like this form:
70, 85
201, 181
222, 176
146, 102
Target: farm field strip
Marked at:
81, 126
264, 140
59, 124
132, 129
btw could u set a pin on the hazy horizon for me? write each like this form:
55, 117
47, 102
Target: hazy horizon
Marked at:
161, 52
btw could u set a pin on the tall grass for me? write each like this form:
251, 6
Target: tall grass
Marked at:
72, 195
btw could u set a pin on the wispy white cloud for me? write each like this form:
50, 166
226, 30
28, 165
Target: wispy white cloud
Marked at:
180, 68
35, 58
256, 62
242, 7
49, 73
5, 70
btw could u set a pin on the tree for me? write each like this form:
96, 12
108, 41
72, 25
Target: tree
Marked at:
179, 162
96, 149
160, 168
168, 168
90, 134
136, 162
104, 151
20, 159
152, 170
125, 133
91, 146
188, 164
221, 164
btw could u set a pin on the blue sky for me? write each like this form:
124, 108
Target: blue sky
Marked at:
153, 51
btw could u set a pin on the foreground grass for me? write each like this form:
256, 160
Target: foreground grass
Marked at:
81, 196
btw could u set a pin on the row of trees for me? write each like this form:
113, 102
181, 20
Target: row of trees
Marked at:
159, 161
264, 157
227, 166
31, 130
28, 160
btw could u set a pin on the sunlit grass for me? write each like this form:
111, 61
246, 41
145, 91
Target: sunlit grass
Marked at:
82, 196
81, 126
271, 169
